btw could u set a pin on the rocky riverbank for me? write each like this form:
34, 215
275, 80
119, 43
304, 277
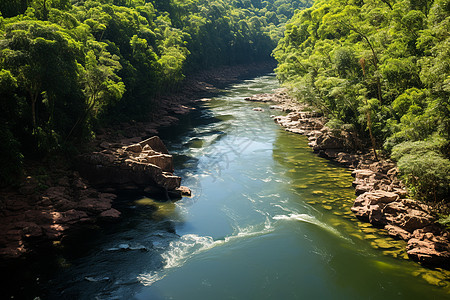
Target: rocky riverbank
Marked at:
58, 196
381, 198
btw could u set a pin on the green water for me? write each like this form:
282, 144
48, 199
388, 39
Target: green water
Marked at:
268, 220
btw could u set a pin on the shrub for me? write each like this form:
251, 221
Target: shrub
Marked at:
424, 168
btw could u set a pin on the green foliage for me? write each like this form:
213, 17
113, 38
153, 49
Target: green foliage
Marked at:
445, 221
68, 65
424, 167
384, 68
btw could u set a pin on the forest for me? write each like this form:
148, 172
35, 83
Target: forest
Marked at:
382, 69
68, 66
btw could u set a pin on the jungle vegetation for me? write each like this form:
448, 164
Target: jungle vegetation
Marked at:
381, 68
378, 67
68, 65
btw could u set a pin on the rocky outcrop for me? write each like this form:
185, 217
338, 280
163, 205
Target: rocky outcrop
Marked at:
383, 202
145, 166
32, 216
381, 197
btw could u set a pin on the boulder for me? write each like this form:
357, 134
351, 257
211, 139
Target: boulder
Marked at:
136, 148
416, 219
110, 214
397, 232
131, 168
429, 246
369, 205
327, 141
164, 161
156, 144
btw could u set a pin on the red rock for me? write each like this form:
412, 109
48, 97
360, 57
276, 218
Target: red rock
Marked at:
416, 219
369, 206
398, 232
427, 251
395, 208
110, 214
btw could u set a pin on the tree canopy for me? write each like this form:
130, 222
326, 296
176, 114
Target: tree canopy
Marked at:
382, 68
68, 65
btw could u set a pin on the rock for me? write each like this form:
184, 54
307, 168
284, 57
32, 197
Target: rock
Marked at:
258, 109
131, 170
369, 206
156, 144
180, 192
395, 208
416, 219
136, 148
169, 182
327, 142
69, 217
429, 248
105, 145
361, 174
110, 214
361, 189
185, 191
94, 205
276, 107
64, 181
164, 161
397, 232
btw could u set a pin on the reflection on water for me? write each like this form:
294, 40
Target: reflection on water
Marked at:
268, 220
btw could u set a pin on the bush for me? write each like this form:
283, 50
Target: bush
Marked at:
424, 168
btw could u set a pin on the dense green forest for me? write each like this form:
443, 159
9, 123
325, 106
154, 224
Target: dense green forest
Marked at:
382, 68
378, 67
68, 65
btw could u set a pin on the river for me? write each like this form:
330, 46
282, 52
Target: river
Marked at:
268, 219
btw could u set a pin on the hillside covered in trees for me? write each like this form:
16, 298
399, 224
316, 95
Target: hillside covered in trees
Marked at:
68, 65
381, 68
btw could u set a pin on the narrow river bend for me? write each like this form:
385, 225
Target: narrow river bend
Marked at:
268, 220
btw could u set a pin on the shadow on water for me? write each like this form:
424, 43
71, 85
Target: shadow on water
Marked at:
108, 259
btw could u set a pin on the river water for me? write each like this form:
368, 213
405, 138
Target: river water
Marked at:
268, 220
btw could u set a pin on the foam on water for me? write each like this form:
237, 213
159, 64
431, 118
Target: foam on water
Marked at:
189, 245
309, 219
